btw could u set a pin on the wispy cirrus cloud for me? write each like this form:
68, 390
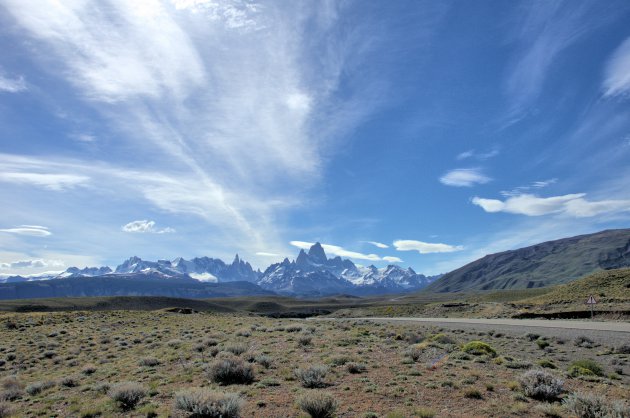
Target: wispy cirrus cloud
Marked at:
266, 254
145, 227
425, 247
50, 181
378, 244
522, 189
617, 75
28, 230
228, 96
11, 85
476, 155
573, 205
542, 31
31, 264
464, 177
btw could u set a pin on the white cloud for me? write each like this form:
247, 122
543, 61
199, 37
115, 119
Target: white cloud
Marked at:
86, 138
10, 85
50, 181
337, 251
145, 226
535, 185
477, 155
378, 244
28, 264
617, 74
265, 254
574, 205
28, 230
392, 259
464, 177
425, 247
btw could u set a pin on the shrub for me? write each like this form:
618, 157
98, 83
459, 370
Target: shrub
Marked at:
593, 406
478, 348
623, 349
550, 410
318, 405
423, 412
305, 340
472, 393
583, 341
541, 385
69, 382
13, 389
89, 369
236, 349
127, 394
204, 403
38, 387
263, 360
356, 368
585, 367
312, 377
443, 339
546, 363
149, 362
414, 352
210, 342
231, 371
293, 328
174, 343
542, 344
5, 410
243, 333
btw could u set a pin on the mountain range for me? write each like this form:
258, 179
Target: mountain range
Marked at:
540, 265
312, 274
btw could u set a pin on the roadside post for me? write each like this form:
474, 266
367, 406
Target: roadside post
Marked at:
591, 301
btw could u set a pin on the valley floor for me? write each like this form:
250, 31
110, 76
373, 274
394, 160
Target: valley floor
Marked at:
68, 364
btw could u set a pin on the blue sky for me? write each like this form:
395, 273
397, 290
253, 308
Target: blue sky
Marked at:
422, 133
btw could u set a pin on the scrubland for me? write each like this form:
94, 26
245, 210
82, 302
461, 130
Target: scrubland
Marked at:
165, 364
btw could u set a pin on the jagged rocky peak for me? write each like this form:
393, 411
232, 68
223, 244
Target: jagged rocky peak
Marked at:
302, 259
317, 253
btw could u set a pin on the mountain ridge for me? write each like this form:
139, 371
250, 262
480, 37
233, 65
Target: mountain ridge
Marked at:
544, 264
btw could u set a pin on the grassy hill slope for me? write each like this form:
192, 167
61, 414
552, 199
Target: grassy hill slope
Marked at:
608, 286
545, 264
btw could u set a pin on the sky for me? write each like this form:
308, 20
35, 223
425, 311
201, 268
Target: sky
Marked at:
421, 133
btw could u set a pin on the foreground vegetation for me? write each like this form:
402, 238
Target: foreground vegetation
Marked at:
123, 363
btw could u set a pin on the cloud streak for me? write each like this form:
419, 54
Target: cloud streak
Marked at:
617, 74
425, 247
228, 99
464, 177
12, 85
31, 264
573, 205
50, 181
145, 227
338, 251
378, 244
28, 230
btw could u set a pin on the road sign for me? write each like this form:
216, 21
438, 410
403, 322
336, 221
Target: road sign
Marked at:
591, 301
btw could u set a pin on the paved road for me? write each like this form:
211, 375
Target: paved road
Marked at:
609, 333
